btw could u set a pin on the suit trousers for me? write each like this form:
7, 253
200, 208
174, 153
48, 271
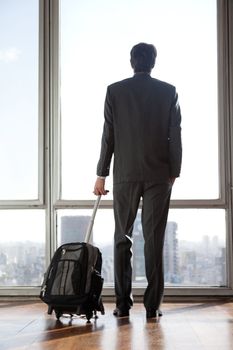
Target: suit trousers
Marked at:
155, 206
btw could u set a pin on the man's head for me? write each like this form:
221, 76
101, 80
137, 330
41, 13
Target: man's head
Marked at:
142, 57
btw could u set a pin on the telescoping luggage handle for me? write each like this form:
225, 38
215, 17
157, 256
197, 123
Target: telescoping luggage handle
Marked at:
91, 222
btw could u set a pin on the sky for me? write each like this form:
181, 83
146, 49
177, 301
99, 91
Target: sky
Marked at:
95, 41
18, 99
95, 46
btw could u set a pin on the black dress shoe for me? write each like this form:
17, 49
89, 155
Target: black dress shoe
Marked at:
121, 312
152, 313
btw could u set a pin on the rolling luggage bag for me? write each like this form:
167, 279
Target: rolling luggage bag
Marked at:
73, 282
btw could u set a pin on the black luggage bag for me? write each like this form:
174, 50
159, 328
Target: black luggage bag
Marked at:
73, 282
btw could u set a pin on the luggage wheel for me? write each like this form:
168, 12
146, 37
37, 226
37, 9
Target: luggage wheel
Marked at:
89, 315
58, 314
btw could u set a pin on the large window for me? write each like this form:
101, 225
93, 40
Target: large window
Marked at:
56, 60
95, 41
22, 226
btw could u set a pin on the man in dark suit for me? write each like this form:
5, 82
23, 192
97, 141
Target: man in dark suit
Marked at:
142, 130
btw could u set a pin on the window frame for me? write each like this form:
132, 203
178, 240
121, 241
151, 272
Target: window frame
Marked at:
50, 152
223, 31
43, 161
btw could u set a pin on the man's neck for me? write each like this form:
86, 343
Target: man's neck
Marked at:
141, 73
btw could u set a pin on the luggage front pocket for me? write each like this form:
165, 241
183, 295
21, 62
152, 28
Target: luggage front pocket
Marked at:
68, 279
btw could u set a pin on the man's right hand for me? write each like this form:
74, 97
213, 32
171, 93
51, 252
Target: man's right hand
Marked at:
99, 188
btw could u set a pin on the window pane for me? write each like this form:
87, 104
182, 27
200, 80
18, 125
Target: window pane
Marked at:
19, 99
22, 247
194, 250
96, 38
72, 225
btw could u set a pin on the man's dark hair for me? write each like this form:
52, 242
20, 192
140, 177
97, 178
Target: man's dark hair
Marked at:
142, 57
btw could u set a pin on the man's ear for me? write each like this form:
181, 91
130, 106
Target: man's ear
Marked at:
131, 63
153, 64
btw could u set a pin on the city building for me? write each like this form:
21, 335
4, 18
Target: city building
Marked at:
74, 228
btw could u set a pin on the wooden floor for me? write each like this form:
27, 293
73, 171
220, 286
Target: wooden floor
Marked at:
189, 326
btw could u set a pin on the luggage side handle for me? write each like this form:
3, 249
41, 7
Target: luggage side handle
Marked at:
91, 222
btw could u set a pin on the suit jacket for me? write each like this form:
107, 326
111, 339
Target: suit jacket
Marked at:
142, 130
